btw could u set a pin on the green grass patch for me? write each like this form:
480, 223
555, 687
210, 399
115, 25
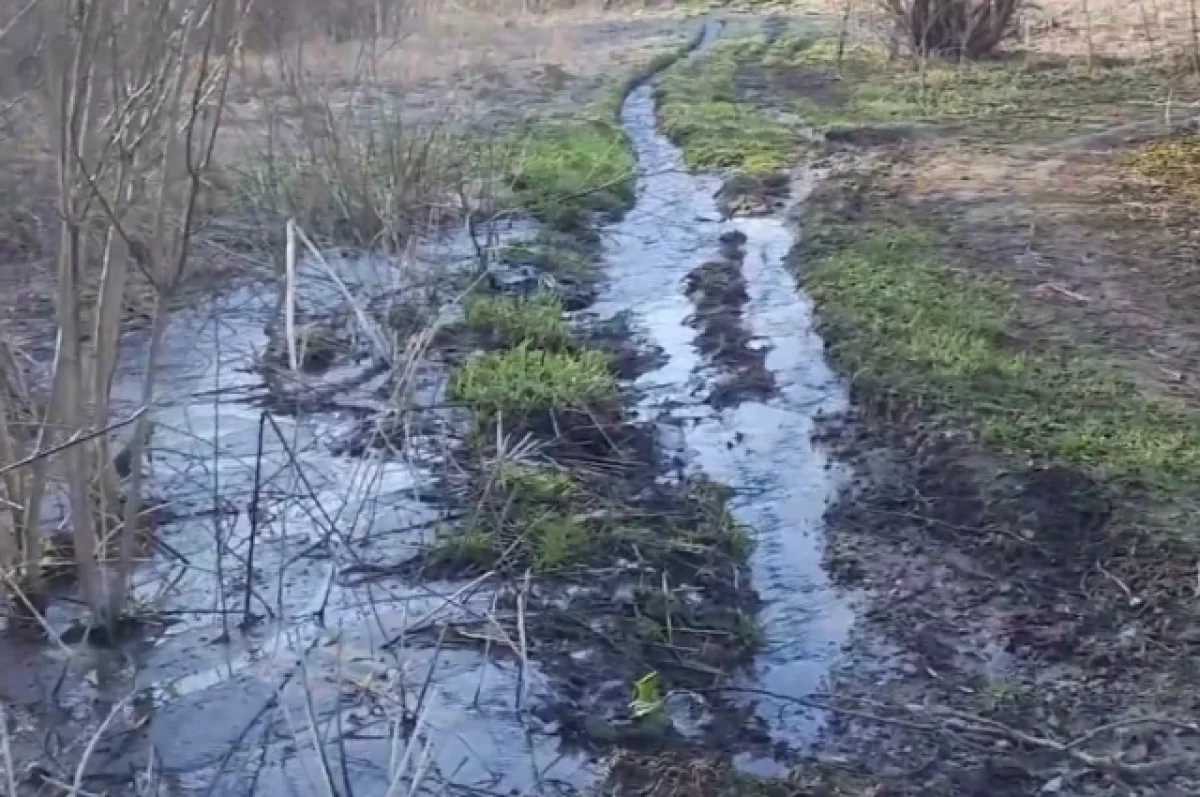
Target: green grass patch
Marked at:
528, 522
563, 172
521, 381
536, 320
545, 541
868, 88
700, 111
548, 255
904, 324
542, 485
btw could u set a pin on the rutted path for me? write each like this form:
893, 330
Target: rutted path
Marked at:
762, 446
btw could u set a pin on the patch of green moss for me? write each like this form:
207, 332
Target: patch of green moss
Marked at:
523, 380
536, 320
908, 326
700, 111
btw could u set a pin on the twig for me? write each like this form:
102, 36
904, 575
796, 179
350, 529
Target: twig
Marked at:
6, 750
254, 517
77, 786
945, 720
75, 440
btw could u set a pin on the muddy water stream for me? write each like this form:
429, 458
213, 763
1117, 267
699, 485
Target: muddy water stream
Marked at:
263, 640
763, 449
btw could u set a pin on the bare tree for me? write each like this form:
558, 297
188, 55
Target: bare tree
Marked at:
133, 92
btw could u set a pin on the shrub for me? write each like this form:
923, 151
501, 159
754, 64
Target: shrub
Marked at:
959, 28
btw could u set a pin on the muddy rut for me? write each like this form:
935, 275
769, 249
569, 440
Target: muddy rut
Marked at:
759, 441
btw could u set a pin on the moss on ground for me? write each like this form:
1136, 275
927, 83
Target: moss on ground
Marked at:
700, 111
1173, 163
910, 327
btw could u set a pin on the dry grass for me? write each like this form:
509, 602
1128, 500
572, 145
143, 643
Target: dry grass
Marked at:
1102, 30
1124, 29
371, 141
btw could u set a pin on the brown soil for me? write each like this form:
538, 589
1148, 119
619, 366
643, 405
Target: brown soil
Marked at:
718, 290
1098, 257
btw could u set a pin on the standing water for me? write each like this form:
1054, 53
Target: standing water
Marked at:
761, 448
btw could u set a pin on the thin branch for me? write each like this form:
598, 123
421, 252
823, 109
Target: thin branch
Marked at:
76, 439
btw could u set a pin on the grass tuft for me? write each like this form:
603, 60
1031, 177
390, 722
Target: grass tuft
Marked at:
701, 113
524, 380
546, 254
536, 320
563, 173
906, 325
524, 483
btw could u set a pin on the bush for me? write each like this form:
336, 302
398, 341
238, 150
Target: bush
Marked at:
959, 28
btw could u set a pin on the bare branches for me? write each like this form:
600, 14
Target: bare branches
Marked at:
960, 725
959, 28
134, 93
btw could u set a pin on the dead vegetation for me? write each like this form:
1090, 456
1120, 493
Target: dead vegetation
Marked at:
135, 99
297, 112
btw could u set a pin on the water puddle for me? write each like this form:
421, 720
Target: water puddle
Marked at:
267, 646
